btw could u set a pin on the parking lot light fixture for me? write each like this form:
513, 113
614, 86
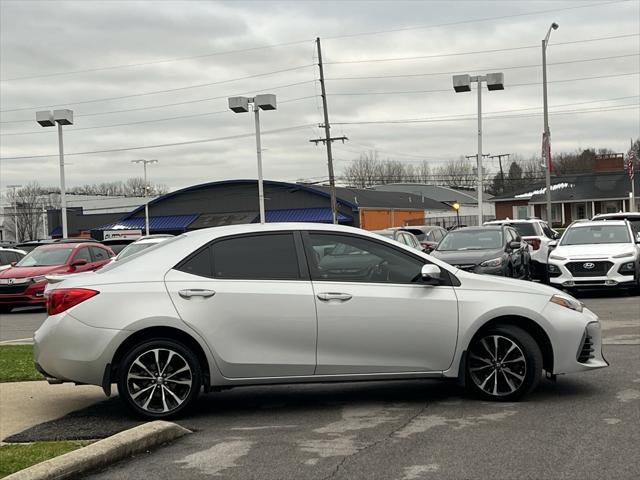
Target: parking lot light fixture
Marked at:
146, 192
47, 118
462, 83
259, 102
547, 134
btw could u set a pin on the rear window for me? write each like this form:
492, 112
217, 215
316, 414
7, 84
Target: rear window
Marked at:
526, 229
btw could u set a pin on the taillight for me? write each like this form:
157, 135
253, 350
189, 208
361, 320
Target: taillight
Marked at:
62, 299
534, 242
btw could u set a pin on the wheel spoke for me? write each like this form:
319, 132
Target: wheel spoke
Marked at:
483, 384
171, 354
486, 347
480, 359
519, 377
511, 349
142, 366
509, 382
495, 347
156, 355
140, 377
175, 397
164, 400
146, 404
495, 382
183, 369
140, 392
181, 382
519, 359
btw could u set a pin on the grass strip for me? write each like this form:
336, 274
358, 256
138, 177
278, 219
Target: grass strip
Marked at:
16, 364
17, 456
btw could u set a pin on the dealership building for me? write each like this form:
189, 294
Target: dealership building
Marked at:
236, 201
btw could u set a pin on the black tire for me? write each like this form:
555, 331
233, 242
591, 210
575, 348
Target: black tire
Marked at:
166, 392
5, 308
516, 378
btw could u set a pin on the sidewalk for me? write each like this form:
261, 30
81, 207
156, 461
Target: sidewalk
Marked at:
26, 404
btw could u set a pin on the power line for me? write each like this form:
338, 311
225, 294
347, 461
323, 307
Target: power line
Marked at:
162, 145
510, 86
155, 62
187, 87
410, 75
495, 50
180, 117
476, 20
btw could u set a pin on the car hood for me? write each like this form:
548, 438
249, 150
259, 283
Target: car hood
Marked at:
464, 257
492, 283
25, 272
604, 250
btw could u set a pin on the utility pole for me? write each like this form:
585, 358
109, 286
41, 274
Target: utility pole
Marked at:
327, 137
499, 157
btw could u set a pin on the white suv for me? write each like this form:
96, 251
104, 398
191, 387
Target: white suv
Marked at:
538, 235
596, 254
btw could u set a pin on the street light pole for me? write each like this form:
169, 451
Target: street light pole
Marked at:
265, 101
546, 140
256, 112
462, 83
47, 118
146, 190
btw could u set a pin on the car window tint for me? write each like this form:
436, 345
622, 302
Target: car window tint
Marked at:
4, 258
526, 229
271, 256
198, 264
99, 254
367, 261
83, 254
547, 231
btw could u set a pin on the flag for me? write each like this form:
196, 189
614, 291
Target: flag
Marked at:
631, 160
546, 151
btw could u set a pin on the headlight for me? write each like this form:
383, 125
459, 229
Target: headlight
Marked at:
567, 301
624, 255
39, 278
628, 267
495, 262
556, 257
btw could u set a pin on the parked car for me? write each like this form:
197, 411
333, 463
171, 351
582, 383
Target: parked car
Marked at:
428, 235
10, 255
32, 244
493, 250
118, 244
24, 283
401, 235
632, 217
536, 233
141, 244
601, 253
253, 304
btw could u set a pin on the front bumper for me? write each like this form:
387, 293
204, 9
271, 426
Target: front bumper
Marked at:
561, 276
71, 351
23, 295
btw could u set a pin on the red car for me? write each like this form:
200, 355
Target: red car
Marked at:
23, 283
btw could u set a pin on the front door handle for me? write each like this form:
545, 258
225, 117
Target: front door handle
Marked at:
196, 292
343, 297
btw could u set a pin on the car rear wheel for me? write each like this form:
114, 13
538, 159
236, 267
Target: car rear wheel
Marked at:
159, 378
503, 364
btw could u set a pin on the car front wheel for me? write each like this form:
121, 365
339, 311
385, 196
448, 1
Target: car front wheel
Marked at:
503, 364
159, 378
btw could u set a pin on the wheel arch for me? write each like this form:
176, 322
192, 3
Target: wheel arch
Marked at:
530, 326
161, 332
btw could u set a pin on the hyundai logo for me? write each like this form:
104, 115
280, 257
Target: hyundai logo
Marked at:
588, 265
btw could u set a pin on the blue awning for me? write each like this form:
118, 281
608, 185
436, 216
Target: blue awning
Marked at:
316, 215
166, 223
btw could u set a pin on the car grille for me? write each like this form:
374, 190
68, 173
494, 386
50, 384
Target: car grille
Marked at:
467, 267
586, 352
579, 269
13, 289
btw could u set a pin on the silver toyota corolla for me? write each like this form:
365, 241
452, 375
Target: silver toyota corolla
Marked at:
290, 303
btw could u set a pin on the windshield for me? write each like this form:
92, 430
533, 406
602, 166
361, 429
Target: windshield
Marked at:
134, 248
129, 257
45, 257
471, 240
595, 234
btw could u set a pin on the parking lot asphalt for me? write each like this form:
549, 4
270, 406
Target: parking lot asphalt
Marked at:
584, 426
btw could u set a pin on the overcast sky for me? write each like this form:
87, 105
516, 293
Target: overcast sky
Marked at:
82, 55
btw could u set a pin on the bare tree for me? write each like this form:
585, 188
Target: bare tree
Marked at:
28, 205
364, 171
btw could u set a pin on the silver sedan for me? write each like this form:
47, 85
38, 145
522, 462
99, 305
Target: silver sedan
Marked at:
291, 303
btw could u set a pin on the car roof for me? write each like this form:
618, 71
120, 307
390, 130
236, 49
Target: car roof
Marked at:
151, 239
52, 246
620, 215
590, 223
15, 250
483, 227
519, 220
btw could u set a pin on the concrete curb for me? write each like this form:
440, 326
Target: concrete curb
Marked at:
103, 452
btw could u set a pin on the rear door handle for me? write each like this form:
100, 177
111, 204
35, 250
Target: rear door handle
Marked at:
196, 292
343, 297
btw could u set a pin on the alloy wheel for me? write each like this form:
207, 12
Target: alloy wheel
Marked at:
159, 380
497, 365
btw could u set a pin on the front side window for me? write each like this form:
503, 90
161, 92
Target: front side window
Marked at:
99, 254
270, 256
596, 234
356, 259
83, 254
46, 257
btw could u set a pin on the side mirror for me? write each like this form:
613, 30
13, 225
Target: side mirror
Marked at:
515, 245
430, 274
552, 244
556, 235
78, 263
13, 264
